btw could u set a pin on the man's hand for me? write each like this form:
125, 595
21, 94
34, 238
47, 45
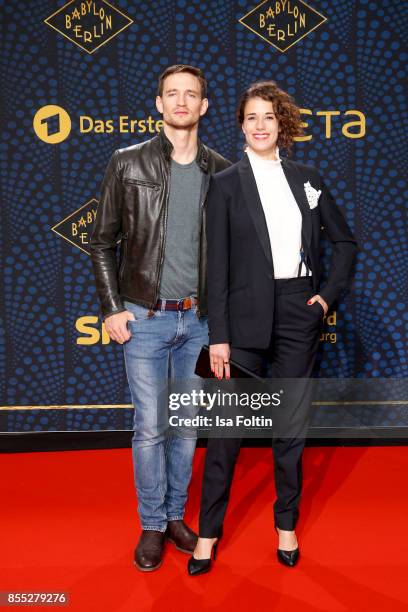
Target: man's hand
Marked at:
219, 360
318, 298
116, 327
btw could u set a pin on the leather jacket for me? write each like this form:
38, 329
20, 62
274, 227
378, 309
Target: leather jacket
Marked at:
132, 210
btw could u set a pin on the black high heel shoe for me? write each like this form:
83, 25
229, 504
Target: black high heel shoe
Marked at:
202, 566
287, 557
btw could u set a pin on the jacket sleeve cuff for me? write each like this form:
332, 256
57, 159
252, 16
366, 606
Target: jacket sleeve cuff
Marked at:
114, 309
329, 294
219, 336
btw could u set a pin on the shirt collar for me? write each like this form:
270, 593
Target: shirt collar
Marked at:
257, 158
167, 148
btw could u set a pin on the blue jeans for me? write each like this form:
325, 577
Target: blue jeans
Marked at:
164, 345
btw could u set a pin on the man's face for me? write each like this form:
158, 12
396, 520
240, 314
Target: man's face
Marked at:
260, 126
181, 103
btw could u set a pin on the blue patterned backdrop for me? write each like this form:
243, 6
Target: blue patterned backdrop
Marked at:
104, 64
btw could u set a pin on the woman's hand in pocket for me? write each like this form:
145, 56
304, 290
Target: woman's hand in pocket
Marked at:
318, 298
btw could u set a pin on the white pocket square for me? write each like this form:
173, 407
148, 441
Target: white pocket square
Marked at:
312, 194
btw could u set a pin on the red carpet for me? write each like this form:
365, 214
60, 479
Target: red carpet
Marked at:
69, 523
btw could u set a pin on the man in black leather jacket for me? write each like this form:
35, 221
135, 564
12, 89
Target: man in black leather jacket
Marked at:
154, 303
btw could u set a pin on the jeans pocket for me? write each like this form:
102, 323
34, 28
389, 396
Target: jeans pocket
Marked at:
140, 313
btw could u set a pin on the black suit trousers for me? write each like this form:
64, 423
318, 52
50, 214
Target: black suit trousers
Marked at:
291, 354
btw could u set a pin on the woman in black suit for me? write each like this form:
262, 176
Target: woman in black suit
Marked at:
265, 218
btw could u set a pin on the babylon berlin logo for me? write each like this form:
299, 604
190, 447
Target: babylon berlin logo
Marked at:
89, 24
282, 23
78, 226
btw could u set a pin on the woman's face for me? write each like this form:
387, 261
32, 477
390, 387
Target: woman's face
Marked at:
260, 126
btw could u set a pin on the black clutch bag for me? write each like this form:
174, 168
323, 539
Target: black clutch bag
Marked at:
203, 367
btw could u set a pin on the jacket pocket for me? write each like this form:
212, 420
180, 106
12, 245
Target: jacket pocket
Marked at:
142, 183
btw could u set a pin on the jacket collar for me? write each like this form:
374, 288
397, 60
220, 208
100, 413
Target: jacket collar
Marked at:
251, 196
295, 178
250, 192
167, 147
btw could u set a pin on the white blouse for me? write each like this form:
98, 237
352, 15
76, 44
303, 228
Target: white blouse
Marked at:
282, 214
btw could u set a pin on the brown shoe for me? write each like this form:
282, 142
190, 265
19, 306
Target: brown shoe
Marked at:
149, 551
183, 538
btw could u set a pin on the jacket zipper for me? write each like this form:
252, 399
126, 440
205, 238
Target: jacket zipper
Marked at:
122, 265
199, 257
207, 179
166, 209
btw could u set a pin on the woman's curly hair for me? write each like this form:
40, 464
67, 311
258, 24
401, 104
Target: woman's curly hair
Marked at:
286, 111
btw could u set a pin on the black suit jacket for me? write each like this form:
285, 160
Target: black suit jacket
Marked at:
240, 266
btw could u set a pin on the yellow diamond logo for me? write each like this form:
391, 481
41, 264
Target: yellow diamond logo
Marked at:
78, 226
88, 23
282, 23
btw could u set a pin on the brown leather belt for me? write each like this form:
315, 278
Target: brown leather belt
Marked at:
184, 304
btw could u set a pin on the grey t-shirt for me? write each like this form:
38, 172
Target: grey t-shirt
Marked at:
180, 267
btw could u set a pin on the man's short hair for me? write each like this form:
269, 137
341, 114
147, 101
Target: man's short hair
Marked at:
177, 68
